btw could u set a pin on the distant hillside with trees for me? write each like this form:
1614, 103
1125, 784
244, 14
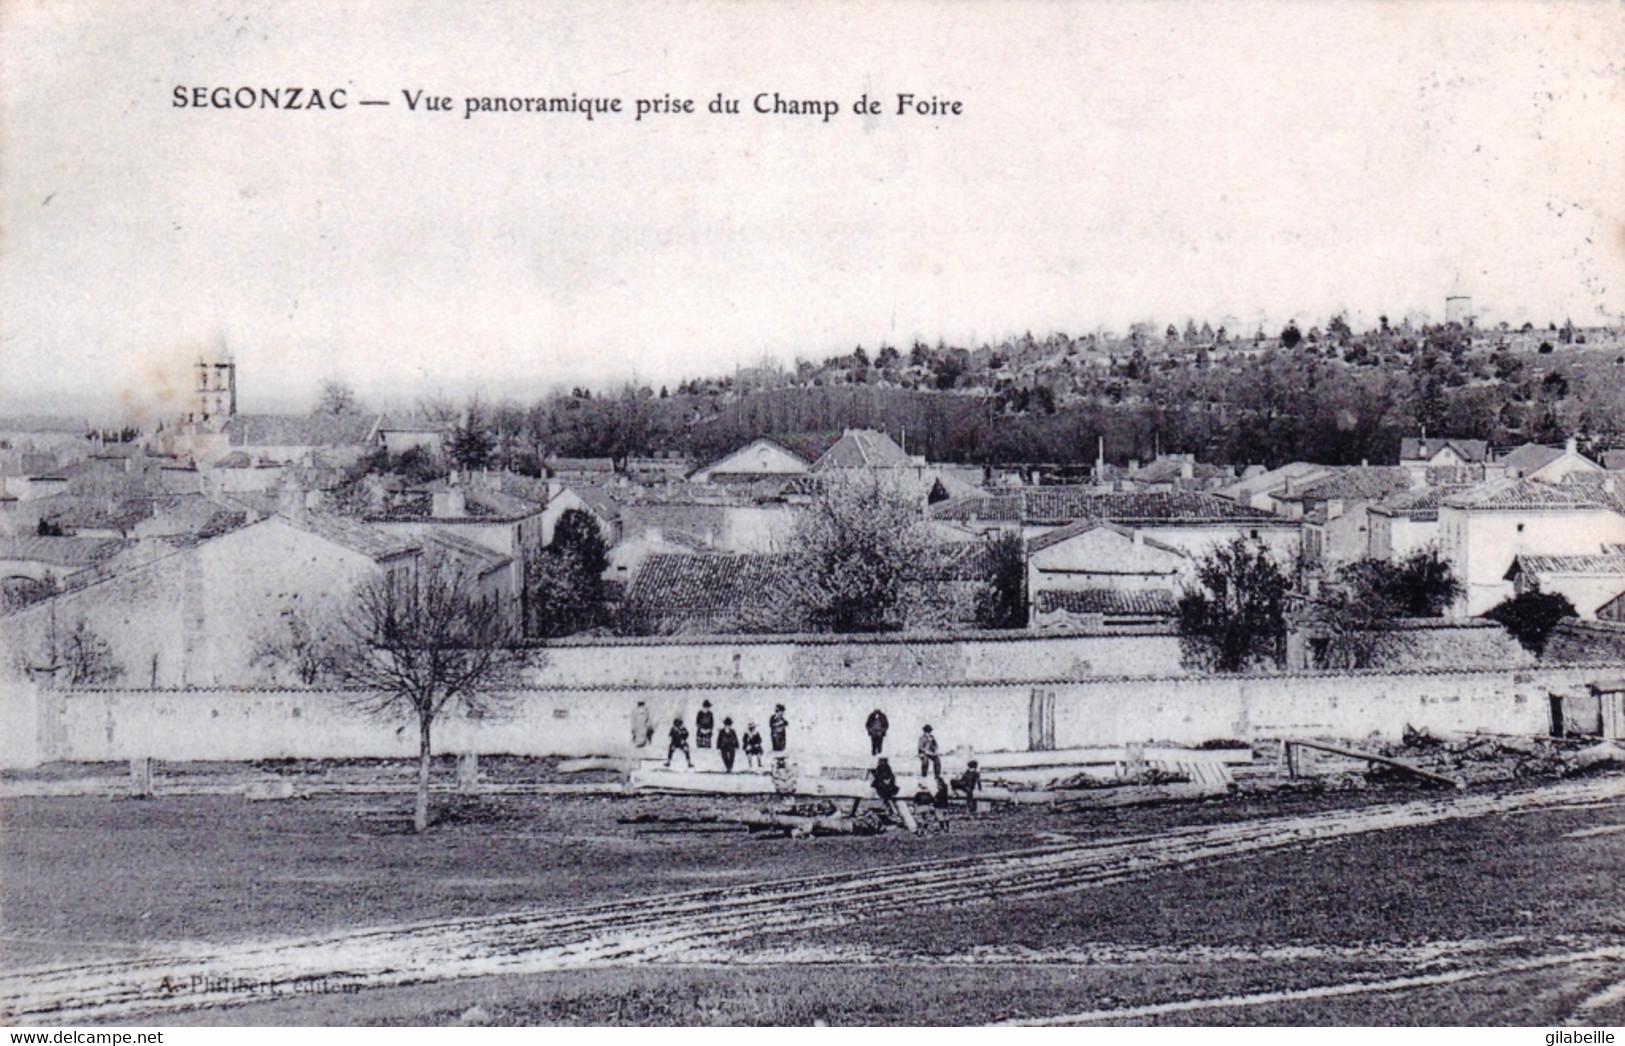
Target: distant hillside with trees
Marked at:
1324, 394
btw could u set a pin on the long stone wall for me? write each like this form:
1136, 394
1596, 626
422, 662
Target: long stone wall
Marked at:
44, 725
781, 660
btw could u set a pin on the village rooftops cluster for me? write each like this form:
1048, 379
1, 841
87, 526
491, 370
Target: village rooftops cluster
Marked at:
705, 548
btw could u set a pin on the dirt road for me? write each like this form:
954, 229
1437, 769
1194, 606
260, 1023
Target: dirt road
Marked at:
672, 928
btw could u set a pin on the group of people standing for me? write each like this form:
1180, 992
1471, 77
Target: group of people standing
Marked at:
884, 779
727, 741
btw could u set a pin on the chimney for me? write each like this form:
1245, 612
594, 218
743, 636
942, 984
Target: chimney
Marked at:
1187, 469
1572, 445
290, 501
449, 503
1139, 536
1133, 465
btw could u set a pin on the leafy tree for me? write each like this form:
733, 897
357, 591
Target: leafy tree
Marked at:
1532, 616
865, 559
564, 586
472, 444
1358, 616
1290, 335
1002, 600
1237, 619
419, 642
416, 465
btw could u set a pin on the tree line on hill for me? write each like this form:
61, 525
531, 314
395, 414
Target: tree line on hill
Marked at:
1332, 396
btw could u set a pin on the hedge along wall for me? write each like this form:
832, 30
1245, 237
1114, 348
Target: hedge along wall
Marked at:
103, 725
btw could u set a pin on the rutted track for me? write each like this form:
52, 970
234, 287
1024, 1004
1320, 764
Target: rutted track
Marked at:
664, 928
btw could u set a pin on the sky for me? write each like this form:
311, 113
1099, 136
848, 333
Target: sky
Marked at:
1112, 163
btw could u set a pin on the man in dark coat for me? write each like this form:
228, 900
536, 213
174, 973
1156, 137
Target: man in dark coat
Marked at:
876, 725
968, 782
778, 728
885, 783
679, 742
727, 744
704, 723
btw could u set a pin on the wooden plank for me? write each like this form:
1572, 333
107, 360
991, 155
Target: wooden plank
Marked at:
1370, 757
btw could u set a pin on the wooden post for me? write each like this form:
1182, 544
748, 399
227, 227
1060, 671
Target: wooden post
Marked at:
141, 778
468, 772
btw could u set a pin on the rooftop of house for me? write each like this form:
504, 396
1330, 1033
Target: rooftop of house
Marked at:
604, 466
302, 430
468, 552
1172, 467
1083, 526
1605, 565
604, 504
1529, 457
1359, 483
1065, 504
1274, 479
1524, 494
863, 448
353, 535
67, 552
1472, 451
708, 583
1109, 602
1420, 505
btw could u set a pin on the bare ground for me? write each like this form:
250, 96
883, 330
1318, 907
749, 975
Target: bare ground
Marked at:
1210, 912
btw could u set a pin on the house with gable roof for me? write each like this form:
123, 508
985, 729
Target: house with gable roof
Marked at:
760, 459
1484, 529
1595, 584
1100, 575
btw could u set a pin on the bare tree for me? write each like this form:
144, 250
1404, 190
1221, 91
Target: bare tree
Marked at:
337, 397
304, 644
420, 642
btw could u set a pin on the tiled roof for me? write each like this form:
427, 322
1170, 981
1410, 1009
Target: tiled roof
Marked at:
1512, 495
1064, 504
605, 465
1530, 457
1469, 450
1274, 479
676, 581
863, 448
1609, 565
412, 421
604, 505
1420, 506
1110, 602
996, 508
357, 537
301, 430
506, 506
62, 552
87, 512
1083, 526
1352, 484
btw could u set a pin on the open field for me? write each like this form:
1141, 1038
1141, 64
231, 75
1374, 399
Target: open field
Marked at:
1399, 905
